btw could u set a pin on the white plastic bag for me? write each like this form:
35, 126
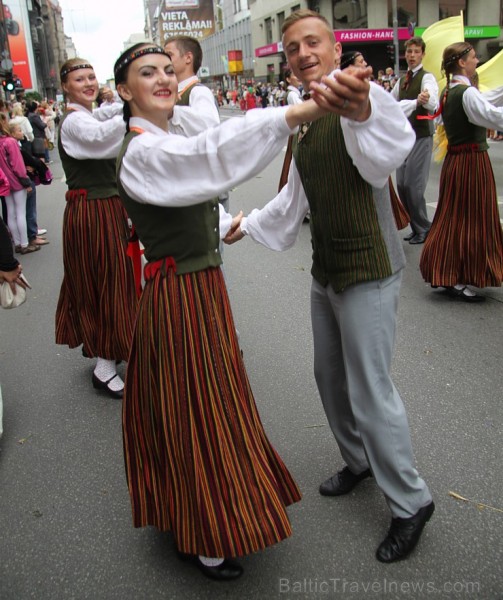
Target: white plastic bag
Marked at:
7, 297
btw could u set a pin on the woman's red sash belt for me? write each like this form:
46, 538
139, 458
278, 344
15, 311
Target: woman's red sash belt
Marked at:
72, 195
464, 148
152, 268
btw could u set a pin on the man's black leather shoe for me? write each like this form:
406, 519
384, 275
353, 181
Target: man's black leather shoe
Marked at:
342, 482
418, 239
403, 535
226, 571
409, 236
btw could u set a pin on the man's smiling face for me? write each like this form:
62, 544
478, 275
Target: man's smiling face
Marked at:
311, 50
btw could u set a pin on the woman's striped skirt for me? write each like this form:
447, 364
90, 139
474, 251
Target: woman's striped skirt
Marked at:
465, 242
198, 461
400, 215
97, 302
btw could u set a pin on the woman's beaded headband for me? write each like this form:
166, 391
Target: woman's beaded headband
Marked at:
129, 58
456, 57
65, 72
349, 60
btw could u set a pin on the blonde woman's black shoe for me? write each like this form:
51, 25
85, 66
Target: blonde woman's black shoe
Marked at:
103, 385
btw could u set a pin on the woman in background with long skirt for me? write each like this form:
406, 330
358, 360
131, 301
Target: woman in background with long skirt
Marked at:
97, 302
465, 243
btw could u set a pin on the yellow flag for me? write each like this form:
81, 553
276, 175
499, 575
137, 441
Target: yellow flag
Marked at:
437, 37
491, 73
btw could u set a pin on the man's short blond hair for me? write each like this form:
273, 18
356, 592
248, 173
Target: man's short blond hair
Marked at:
304, 13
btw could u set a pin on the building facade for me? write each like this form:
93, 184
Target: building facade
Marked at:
367, 25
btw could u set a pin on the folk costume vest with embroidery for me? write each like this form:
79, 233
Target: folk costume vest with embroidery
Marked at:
354, 238
458, 128
189, 234
423, 128
97, 176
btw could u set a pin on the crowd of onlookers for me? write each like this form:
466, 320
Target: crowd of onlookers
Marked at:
264, 94
27, 131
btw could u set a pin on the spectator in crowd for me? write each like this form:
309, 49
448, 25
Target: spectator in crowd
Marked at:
12, 165
37, 172
38, 144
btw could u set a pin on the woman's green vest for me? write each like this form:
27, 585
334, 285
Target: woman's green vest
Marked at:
189, 234
97, 176
458, 128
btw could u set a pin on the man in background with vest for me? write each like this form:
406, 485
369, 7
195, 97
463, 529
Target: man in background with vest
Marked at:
187, 57
340, 172
417, 92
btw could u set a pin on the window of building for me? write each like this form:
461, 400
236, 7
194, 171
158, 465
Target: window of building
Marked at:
406, 13
349, 14
450, 8
280, 17
294, 8
268, 30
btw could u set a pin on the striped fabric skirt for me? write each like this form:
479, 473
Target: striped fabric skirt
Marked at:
465, 242
198, 461
97, 302
400, 214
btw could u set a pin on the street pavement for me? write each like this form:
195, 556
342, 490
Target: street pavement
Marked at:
65, 521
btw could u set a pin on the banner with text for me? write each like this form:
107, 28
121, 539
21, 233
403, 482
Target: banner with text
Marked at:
16, 30
187, 17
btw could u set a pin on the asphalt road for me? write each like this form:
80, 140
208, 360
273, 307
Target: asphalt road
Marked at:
65, 522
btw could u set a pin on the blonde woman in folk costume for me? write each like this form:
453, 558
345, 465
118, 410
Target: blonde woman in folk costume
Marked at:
97, 302
465, 243
198, 460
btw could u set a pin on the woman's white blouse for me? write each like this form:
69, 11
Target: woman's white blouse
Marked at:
85, 137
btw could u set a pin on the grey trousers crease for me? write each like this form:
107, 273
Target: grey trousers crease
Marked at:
353, 334
411, 182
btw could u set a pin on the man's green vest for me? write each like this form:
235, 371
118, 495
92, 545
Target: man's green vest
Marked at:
189, 234
97, 176
183, 100
458, 128
353, 233
422, 127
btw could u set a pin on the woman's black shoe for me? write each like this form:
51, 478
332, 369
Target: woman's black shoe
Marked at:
462, 294
103, 385
225, 571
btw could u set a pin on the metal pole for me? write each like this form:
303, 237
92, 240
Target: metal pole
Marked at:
395, 36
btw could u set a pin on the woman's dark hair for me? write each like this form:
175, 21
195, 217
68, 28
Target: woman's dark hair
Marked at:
348, 58
32, 106
121, 68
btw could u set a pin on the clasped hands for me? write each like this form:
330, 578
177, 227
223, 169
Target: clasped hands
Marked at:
235, 234
345, 93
